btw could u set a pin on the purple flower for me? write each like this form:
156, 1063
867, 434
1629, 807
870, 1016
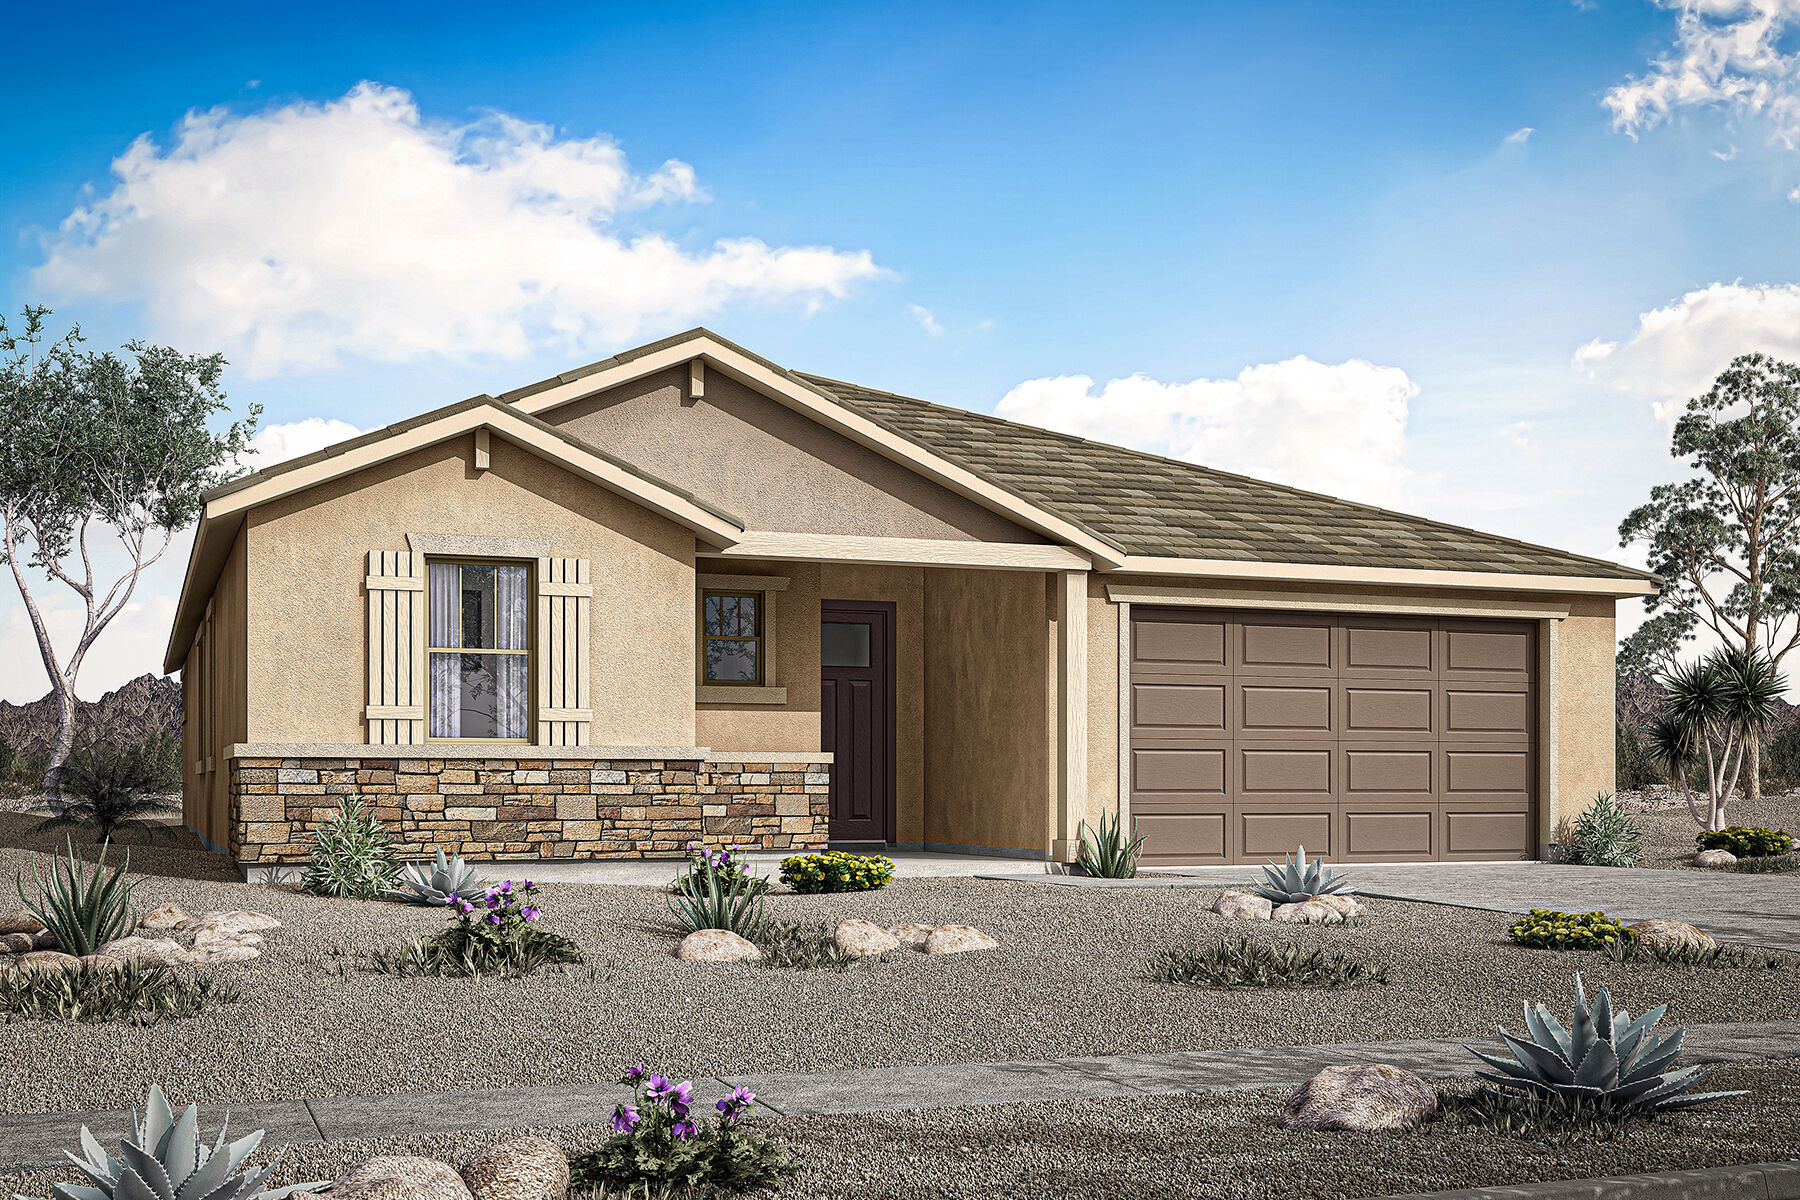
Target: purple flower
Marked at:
493, 918
683, 1130
635, 1073
658, 1086
625, 1118
462, 906
528, 886
530, 912
506, 888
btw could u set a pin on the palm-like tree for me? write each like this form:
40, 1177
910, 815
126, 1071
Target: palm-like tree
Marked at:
1714, 709
108, 789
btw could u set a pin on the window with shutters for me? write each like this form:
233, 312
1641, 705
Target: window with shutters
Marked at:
478, 650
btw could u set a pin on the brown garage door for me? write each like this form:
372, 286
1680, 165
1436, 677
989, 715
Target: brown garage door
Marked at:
1364, 738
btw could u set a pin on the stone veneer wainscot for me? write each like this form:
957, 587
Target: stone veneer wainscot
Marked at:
530, 808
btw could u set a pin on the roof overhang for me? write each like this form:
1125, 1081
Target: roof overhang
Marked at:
785, 388
1229, 569
227, 506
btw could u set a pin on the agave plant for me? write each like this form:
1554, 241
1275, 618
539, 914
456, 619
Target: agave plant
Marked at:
440, 884
164, 1158
84, 911
1607, 1057
1296, 879
1107, 853
716, 901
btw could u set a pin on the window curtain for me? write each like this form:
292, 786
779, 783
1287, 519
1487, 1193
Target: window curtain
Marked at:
513, 677
446, 669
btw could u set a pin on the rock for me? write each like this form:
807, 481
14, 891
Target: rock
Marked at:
1243, 904
165, 916
523, 1169
859, 939
957, 939
43, 939
911, 933
208, 939
44, 960
716, 945
1360, 1096
1672, 935
1714, 858
1344, 906
400, 1177
20, 922
152, 952
1309, 912
227, 952
235, 920
102, 961
16, 943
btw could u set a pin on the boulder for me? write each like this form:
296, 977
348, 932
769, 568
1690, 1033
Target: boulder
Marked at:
1243, 904
528, 1168
957, 939
399, 1177
1672, 935
16, 943
716, 945
1309, 912
165, 916
152, 952
226, 952
859, 939
1714, 858
43, 939
208, 939
44, 960
1344, 906
1360, 1096
20, 922
911, 933
102, 961
235, 920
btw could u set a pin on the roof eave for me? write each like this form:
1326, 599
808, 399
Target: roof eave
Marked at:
1619, 587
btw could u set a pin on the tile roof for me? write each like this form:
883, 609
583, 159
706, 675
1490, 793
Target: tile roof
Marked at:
1160, 507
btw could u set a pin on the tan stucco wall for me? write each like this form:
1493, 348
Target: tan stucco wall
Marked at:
774, 469
1583, 676
307, 555
793, 726
987, 748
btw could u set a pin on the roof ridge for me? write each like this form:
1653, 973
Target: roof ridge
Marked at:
1218, 472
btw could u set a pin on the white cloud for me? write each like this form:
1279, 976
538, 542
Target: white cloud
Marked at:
131, 645
927, 321
1727, 53
1519, 137
297, 234
278, 443
1339, 429
1680, 348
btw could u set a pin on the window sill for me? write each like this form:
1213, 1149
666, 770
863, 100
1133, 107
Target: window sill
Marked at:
716, 694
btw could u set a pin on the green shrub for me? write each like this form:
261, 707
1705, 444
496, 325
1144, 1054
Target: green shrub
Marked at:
131, 992
1250, 964
1606, 836
1555, 1121
1106, 853
1781, 759
786, 945
1753, 841
711, 902
1635, 762
658, 1143
1548, 929
1725, 956
352, 855
836, 871
110, 788
1772, 864
724, 864
495, 935
84, 910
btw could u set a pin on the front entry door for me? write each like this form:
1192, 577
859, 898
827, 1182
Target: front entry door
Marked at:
856, 645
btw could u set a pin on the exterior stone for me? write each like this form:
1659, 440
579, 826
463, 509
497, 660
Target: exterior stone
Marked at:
532, 809
1360, 1096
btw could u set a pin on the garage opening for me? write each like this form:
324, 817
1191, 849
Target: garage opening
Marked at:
1365, 738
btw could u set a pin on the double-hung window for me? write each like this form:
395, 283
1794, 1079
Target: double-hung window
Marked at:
732, 629
479, 644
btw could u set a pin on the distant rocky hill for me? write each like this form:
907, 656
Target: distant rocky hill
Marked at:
129, 714
1640, 698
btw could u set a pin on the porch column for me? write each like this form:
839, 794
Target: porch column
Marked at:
1071, 713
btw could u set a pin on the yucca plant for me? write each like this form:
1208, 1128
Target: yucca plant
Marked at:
1606, 835
83, 909
164, 1159
1106, 852
1606, 1057
1296, 879
712, 901
440, 884
352, 855
1720, 705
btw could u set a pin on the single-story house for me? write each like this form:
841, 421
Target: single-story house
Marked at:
684, 594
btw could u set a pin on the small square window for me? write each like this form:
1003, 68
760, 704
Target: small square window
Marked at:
732, 631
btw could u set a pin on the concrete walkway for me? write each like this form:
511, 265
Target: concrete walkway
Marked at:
36, 1140
658, 872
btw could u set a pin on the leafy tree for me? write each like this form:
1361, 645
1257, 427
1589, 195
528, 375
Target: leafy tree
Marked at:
1719, 706
109, 788
1727, 540
92, 442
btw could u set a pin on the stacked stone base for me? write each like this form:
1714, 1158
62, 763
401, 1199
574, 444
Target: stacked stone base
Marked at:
505, 808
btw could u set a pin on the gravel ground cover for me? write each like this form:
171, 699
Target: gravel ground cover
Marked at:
1669, 833
1067, 980
1222, 1146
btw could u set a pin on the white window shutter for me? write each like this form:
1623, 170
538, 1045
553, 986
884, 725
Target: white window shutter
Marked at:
565, 595
397, 673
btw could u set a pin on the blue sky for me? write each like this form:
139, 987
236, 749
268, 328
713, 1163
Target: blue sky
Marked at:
1436, 205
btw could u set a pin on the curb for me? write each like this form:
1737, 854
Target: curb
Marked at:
1757, 1181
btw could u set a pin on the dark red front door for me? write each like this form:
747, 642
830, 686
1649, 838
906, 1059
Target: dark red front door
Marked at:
856, 644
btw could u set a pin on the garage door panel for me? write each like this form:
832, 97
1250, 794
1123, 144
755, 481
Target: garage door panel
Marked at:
1271, 832
1475, 712
1278, 644
1388, 832
1473, 834
1389, 648
1189, 838
1371, 773
1387, 711
1493, 650
1180, 713
1486, 772
1269, 772
1284, 707
1191, 772
1181, 646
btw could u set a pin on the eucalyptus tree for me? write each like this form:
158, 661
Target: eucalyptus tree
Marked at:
1717, 707
93, 445
1726, 540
